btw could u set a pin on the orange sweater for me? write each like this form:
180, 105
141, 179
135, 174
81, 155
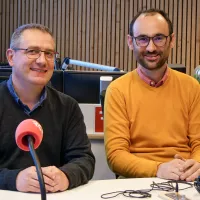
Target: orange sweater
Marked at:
145, 126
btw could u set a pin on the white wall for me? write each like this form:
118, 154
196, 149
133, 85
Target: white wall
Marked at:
102, 170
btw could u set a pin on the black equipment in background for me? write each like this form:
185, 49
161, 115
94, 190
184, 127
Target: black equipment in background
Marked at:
84, 86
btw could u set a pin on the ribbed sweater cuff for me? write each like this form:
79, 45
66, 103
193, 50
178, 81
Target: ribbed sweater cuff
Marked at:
74, 176
10, 179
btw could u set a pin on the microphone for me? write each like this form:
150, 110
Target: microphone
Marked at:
68, 61
28, 127
28, 136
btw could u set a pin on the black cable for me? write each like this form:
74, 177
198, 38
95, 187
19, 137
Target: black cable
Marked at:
127, 193
136, 194
145, 193
113, 194
164, 186
38, 167
189, 185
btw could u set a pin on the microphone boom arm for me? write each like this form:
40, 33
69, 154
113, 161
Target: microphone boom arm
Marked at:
68, 61
38, 167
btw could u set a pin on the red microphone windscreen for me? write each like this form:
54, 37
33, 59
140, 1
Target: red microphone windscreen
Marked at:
28, 127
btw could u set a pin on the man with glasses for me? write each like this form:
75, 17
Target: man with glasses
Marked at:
65, 152
152, 114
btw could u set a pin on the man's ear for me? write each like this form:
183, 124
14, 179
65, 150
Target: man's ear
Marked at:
173, 39
130, 42
10, 55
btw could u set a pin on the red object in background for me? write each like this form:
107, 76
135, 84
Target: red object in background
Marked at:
98, 119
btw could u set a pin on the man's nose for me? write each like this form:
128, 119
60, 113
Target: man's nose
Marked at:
151, 46
41, 58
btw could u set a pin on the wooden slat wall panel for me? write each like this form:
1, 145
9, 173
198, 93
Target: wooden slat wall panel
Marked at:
1, 37
75, 27
188, 45
175, 23
71, 31
91, 28
7, 30
63, 26
130, 53
59, 25
122, 35
96, 30
126, 23
135, 11
179, 32
108, 31
100, 32
3, 29
79, 31
184, 33
193, 34
170, 13
113, 32
88, 13
198, 35
82, 35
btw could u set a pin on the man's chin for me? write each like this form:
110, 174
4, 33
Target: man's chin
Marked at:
151, 67
39, 82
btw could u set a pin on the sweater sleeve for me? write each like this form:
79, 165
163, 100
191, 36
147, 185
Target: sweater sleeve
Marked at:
78, 157
8, 179
194, 122
7, 176
117, 139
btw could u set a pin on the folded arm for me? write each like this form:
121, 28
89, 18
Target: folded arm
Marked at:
78, 159
117, 140
8, 179
191, 166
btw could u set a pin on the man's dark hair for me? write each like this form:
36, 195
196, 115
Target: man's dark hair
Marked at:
151, 12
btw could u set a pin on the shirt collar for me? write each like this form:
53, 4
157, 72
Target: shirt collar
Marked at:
19, 102
151, 82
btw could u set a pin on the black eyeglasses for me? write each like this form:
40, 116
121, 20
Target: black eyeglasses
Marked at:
158, 40
36, 53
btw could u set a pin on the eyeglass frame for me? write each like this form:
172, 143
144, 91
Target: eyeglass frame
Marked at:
54, 52
151, 38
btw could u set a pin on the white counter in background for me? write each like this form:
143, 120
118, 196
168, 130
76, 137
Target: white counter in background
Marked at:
93, 118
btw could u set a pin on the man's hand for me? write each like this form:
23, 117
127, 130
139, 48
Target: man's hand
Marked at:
190, 169
54, 179
27, 181
59, 180
170, 170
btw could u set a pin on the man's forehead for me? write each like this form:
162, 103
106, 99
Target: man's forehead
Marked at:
150, 24
28, 32
36, 38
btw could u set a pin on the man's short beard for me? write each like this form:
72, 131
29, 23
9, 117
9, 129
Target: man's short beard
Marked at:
158, 66
163, 58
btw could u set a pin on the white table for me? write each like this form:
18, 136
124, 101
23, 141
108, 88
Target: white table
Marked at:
94, 189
